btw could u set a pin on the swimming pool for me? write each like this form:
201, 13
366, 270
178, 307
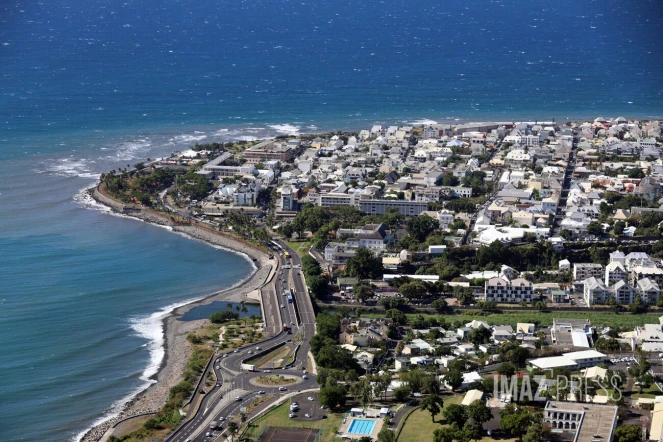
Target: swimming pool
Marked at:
361, 426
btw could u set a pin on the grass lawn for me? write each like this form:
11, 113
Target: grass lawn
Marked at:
650, 392
278, 417
301, 248
420, 428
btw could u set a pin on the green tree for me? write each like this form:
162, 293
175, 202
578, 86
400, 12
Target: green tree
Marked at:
535, 433
402, 394
566, 234
636, 172
364, 265
386, 435
413, 290
439, 304
454, 379
619, 227
333, 396
318, 286
515, 420
479, 412
232, 429
628, 433
362, 292
594, 228
421, 226
433, 404
507, 369
455, 414
465, 295
444, 434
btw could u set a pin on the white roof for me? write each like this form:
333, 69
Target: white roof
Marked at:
471, 396
584, 354
470, 377
579, 338
553, 362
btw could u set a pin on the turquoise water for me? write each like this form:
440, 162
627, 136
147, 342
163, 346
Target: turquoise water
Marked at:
361, 426
89, 85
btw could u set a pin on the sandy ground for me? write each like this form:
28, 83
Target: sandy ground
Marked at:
177, 347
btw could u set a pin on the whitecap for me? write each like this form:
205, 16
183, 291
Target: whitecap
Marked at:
423, 122
287, 129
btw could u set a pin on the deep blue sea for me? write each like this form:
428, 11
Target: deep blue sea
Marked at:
90, 85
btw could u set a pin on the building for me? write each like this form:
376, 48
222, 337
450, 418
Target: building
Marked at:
648, 290
445, 217
582, 271
269, 150
595, 292
583, 422
503, 290
651, 272
573, 361
614, 272
571, 332
333, 199
471, 396
380, 207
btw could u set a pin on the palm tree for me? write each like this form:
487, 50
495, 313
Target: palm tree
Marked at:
245, 311
229, 306
232, 429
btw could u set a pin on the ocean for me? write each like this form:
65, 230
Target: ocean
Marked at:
89, 86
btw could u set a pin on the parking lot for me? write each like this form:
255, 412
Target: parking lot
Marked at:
308, 410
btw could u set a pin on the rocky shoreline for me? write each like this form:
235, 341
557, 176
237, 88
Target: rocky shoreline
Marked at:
177, 348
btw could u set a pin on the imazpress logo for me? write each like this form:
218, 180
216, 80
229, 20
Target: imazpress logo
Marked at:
539, 388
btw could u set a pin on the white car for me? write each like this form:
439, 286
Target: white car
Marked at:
282, 389
282, 306
261, 392
306, 377
238, 398
310, 398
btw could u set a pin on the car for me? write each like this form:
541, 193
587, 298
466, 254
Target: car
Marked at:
305, 371
295, 403
226, 355
307, 415
257, 348
221, 419
208, 434
291, 415
267, 371
238, 398
250, 352
322, 407
261, 392
306, 377
236, 351
282, 306
282, 389
310, 398
218, 384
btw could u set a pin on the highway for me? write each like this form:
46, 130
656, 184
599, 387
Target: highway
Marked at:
234, 388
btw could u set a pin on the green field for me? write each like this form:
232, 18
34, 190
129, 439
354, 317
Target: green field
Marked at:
545, 318
278, 417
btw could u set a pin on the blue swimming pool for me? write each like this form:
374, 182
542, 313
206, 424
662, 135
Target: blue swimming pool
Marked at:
361, 426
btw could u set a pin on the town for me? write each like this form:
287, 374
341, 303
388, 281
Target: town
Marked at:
470, 281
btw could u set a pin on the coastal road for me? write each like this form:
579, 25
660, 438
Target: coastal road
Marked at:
236, 387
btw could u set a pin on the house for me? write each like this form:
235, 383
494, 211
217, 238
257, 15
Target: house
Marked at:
573, 360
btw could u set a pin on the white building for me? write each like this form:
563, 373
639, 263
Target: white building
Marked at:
503, 290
